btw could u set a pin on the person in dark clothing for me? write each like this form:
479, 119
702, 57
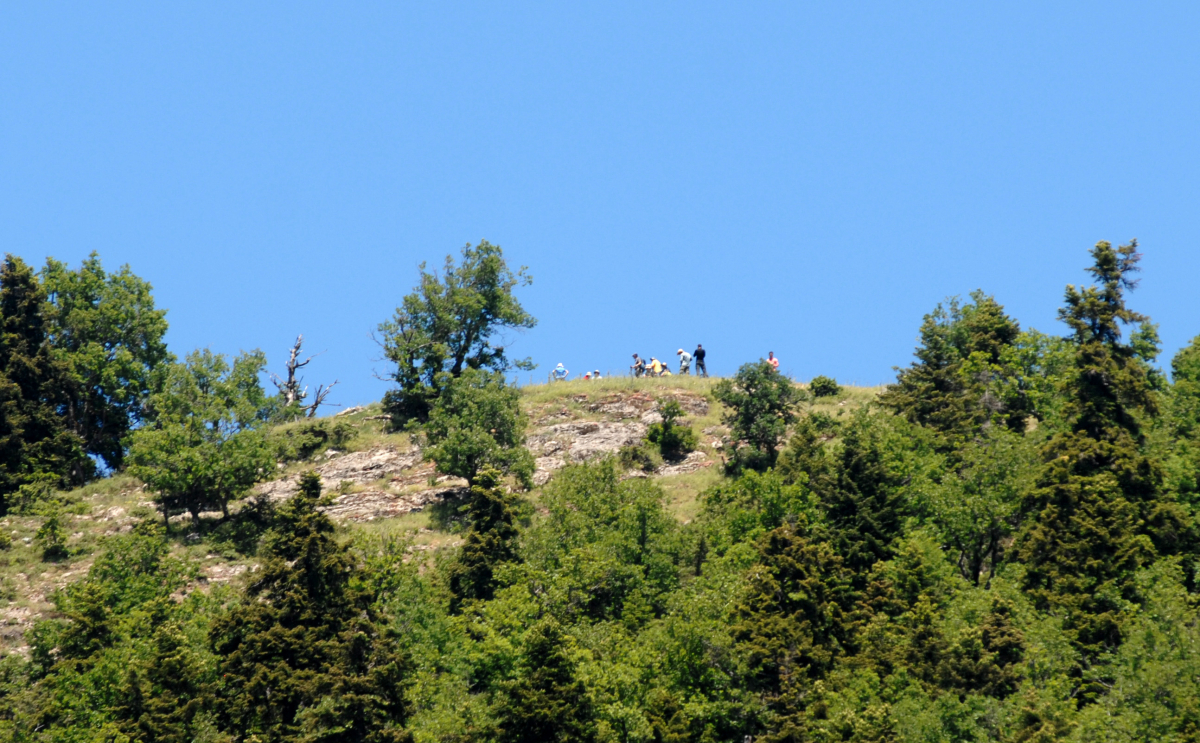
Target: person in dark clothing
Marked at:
698, 359
639, 366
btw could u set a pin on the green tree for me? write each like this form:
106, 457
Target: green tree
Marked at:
305, 657
1098, 514
160, 700
793, 621
477, 423
761, 404
450, 323
205, 446
940, 390
674, 440
108, 331
490, 542
35, 388
977, 507
881, 462
1184, 423
547, 703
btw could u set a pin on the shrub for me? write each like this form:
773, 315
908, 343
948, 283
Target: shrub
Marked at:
294, 442
673, 440
52, 536
643, 456
822, 386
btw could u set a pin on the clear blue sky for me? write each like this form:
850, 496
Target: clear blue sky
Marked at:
807, 178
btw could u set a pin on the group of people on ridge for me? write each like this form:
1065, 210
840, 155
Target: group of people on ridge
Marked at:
560, 373
656, 368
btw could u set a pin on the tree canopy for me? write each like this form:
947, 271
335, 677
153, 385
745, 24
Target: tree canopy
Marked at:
451, 322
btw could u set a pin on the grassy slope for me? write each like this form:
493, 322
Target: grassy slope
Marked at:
108, 506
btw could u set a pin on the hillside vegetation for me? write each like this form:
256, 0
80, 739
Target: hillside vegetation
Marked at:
1000, 546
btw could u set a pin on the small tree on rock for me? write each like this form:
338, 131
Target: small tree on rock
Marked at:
448, 325
477, 423
674, 440
205, 447
761, 404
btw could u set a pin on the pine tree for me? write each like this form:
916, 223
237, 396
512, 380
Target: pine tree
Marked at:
305, 657
936, 390
986, 659
793, 622
160, 701
1097, 510
35, 387
866, 505
490, 541
547, 703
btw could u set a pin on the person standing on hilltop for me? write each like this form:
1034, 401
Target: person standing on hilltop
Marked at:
685, 361
699, 357
639, 366
772, 360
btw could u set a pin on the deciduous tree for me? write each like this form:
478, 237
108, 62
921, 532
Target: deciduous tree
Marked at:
107, 329
450, 323
204, 447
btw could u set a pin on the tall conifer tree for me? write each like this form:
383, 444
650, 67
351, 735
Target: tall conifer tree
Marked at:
1097, 511
34, 389
305, 657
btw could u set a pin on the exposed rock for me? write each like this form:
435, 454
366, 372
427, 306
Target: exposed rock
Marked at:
369, 505
359, 468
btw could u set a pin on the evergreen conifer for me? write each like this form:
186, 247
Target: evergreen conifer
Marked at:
1097, 510
936, 391
305, 657
490, 541
35, 387
547, 703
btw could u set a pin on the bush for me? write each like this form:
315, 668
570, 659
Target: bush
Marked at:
52, 536
674, 441
822, 386
760, 404
295, 442
643, 456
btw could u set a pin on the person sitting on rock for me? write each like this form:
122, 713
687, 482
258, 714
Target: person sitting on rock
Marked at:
596, 374
656, 367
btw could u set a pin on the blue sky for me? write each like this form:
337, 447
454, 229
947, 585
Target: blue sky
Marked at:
798, 177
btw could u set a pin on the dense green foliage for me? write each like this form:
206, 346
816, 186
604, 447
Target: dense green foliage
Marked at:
822, 386
1003, 548
205, 447
107, 329
36, 442
477, 423
448, 324
80, 353
761, 404
673, 439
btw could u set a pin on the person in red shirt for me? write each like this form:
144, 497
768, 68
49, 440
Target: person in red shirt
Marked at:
772, 360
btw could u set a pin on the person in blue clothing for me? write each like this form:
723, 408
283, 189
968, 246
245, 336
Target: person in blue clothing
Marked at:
560, 373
